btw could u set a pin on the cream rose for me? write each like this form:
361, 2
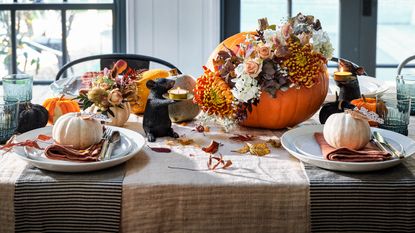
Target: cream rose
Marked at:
115, 97
252, 68
264, 52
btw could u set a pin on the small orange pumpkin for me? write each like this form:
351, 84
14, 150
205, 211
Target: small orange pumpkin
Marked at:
289, 108
59, 106
368, 103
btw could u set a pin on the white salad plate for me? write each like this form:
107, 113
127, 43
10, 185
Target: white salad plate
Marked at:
130, 144
369, 86
300, 143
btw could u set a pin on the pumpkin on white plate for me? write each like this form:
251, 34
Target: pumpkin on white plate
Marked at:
78, 131
120, 117
347, 130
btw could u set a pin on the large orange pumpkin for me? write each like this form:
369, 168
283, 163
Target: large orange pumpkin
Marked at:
59, 106
289, 108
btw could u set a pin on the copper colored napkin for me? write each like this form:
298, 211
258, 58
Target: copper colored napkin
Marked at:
370, 153
60, 152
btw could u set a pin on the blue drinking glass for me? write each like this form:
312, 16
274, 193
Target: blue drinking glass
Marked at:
405, 86
18, 86
396, 114
9, 116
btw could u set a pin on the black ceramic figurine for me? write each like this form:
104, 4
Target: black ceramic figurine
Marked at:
347, 80
333, 107
156, 121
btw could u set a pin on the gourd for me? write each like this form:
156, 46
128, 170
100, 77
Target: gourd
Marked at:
120, 117
31, 116
59, 106
184, 110
346, 130
333, 107
371, 104
77, 131
142, 90
289, 107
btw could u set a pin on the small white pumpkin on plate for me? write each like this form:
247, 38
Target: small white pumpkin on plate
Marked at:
347, 130
80, 132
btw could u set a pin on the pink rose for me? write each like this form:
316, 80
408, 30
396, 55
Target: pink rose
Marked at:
252, 68
115, 97
304, 38
286, 30
264, 52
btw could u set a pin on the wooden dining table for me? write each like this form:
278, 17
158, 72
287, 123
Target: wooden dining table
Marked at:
177, 192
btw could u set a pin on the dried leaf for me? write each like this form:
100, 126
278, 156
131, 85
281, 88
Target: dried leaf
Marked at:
170, 143
43, 137
227, 164
219, 162
10, 144
212, 148
185, 141
160, 149
201, 128
184, 123
242, 150
242, 138
259, 149
275, 142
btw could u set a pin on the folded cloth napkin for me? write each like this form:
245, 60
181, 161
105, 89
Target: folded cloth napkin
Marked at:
60, 152
370, 153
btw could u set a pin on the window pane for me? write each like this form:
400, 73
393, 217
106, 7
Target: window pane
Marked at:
275, 10
327, 11
252, 10
89, 33
39, 43
40, 1
6, 1
5, 43
395, 31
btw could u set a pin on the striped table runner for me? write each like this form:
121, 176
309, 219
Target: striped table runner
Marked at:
382, 201
61, 202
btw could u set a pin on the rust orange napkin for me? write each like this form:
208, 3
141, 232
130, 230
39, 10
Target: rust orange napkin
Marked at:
370, 153
60, 152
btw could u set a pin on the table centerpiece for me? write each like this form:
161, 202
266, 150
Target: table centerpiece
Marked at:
273, 78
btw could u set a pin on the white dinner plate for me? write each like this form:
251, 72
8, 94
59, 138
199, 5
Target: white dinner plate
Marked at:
300, 143
131, 143
369, 86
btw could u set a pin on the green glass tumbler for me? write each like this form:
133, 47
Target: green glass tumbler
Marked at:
405, 86
18, 86
9, 115
395, 113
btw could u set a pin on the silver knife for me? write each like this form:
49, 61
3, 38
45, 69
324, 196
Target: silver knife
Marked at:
382, 140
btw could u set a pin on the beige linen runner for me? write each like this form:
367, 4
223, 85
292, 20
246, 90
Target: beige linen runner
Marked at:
175, 192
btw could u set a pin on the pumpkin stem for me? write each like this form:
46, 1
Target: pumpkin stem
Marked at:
364, 98
339, 106
61, 97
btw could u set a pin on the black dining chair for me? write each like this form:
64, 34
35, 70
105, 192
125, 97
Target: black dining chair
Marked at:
134, 61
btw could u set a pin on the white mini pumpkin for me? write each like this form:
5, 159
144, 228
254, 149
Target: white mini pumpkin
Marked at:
74, 130
345, 130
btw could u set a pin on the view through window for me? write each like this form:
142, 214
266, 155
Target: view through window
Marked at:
38, 37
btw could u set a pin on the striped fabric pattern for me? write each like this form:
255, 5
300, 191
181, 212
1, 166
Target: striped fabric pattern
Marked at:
382, 201
61, 202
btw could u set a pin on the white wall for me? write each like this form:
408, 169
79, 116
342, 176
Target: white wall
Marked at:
182, 32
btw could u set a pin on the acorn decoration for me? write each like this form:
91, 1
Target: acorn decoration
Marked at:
333, 107
31, 116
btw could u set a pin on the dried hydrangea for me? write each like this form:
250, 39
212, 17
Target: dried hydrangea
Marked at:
321, 43
246, 88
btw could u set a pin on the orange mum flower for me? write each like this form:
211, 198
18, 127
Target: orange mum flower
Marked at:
304, 66
213, 94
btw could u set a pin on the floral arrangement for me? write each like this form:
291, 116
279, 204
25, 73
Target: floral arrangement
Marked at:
292, 55
111, 88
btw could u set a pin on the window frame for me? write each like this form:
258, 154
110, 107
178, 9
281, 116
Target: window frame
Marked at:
118, 8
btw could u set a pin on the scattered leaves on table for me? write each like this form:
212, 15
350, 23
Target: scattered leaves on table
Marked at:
10, 144
185, 141
170, 142
185, 123
274, 142
202, 129
160, 149
215, 161
258, 149
43, 137
212, 148
242, 150
243, 138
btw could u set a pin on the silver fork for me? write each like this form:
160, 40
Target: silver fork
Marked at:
106, 137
